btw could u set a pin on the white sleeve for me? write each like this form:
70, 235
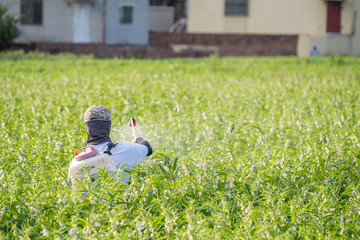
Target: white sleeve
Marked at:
131, 153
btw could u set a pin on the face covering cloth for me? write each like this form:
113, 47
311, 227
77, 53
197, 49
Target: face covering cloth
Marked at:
98, 131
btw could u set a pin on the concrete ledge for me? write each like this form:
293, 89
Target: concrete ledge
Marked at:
183, 48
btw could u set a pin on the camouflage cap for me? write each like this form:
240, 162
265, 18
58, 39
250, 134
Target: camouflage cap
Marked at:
97, 112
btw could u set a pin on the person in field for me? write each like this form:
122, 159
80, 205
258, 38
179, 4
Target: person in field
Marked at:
97, 120
314, 52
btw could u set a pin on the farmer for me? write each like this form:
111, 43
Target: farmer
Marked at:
97, 121
314, 52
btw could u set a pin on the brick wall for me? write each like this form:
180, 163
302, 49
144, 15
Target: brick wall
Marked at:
181, 45
231, 44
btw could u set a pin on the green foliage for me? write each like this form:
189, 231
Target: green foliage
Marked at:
8, 29
244, 147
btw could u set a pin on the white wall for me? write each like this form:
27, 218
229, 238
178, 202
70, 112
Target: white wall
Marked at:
342, 44
355, 41
96, 21
135, 33
57, 23
266, 17
332, 45
161, 18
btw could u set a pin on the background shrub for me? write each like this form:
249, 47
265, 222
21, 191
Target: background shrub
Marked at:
8, 29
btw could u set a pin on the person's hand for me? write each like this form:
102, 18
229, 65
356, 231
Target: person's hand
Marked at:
137, 139
141, 141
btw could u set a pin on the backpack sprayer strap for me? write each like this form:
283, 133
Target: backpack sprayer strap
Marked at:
110, 146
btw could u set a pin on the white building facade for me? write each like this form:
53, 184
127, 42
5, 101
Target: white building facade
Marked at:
82, 21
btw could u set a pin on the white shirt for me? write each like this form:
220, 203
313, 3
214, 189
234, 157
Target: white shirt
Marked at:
125, 152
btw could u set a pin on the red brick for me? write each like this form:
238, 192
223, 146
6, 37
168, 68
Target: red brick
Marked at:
160, 46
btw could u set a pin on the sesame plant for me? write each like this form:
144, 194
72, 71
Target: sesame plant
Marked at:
245, 148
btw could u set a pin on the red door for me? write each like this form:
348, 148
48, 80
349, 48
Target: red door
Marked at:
333, 23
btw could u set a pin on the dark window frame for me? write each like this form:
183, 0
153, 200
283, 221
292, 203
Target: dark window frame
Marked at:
236, 7
31, 12
126, 14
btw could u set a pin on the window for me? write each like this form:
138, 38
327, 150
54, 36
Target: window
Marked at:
126, 14
31, 12
236, 7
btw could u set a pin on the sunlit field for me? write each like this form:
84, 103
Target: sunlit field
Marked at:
245, 148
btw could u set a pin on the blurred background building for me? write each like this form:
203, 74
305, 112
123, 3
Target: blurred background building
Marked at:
225, 27
82, 21
332, 25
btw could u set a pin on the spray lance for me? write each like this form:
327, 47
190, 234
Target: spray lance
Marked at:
132, 124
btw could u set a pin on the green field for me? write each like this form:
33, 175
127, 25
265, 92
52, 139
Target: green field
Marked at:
245, 148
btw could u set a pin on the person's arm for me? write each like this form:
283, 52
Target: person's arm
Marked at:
141, 141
